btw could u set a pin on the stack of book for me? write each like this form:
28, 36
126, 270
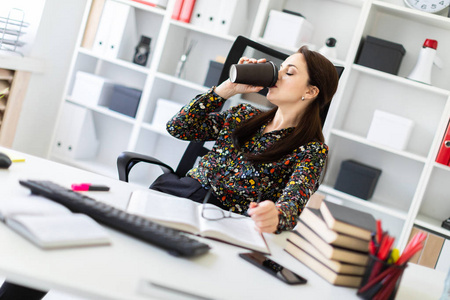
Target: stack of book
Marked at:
333, 241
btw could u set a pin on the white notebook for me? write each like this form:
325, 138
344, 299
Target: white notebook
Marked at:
51, 225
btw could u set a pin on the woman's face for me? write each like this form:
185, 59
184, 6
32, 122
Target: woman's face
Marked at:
292, 82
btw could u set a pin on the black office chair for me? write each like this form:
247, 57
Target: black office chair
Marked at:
127, 160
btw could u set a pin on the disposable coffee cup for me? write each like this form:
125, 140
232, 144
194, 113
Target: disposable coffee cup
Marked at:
262, 74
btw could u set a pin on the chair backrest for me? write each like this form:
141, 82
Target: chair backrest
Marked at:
242, 46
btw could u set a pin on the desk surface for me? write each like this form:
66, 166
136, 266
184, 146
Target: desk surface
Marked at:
123, 270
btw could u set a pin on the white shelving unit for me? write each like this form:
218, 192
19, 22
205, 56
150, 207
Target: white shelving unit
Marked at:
412, 189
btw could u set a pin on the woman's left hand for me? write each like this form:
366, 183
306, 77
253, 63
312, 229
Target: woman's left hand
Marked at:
265, 215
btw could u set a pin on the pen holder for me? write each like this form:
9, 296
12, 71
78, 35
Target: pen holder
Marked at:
381, 279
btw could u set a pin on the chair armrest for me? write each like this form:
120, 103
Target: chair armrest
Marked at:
127, 160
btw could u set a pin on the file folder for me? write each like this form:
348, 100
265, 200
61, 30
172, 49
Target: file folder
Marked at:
76, 137
186, 11
443, 156
231, 17
200, 13
116, 36
177, 9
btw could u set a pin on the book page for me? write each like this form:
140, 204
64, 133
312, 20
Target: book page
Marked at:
55, 231
170, 210
30, 205
238, 230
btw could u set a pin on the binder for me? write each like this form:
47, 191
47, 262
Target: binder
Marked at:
116, 28
92, 23
120, 32
76, 137
177, 9
200, 12
231, 17
186, 11
443, 156
101, 37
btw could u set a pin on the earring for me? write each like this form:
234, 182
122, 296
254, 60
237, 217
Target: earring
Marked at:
303, 98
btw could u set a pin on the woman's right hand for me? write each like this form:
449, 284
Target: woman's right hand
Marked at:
228, 89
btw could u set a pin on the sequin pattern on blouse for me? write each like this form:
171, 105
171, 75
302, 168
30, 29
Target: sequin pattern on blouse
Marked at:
288, 182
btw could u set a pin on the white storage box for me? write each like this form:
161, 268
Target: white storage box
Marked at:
287, 29
164, 111
390, 130
92, 90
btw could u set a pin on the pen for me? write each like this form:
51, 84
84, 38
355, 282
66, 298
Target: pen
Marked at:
89, 187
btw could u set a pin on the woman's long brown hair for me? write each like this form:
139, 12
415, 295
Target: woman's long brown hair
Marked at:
322, 74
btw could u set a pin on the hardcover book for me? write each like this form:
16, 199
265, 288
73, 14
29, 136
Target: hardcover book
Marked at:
325, 272
348, 220
330, 251
313, 218
296, 242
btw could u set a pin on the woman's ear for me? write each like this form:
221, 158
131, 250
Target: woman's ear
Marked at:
312, 92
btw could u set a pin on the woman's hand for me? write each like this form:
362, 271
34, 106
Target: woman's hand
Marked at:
265, 215
228, 89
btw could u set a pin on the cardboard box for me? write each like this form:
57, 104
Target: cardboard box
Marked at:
357, 179
287, 29
381, 55
125, 100
91, 90
390, 130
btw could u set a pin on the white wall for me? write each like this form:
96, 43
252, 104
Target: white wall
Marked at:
54, 43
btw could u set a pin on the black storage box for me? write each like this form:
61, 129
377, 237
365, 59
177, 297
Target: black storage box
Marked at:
381, 55
214, 71
357, 179
125, 100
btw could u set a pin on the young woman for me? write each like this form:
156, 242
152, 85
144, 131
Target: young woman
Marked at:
276, 156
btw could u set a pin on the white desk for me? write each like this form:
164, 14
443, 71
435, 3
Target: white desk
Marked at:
116, 272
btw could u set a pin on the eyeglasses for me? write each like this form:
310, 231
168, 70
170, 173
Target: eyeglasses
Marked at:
213, 213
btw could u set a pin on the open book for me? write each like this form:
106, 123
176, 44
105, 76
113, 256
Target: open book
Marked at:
49, 224
186, 215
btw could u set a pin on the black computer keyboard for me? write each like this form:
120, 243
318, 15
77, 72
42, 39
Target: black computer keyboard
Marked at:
174, 241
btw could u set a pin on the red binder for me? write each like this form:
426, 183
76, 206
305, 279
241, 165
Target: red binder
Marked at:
177, 9
443, 156
186, 11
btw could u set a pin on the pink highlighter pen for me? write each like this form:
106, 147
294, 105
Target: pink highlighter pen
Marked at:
81, 187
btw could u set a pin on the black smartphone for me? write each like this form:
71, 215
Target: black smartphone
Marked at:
273, 268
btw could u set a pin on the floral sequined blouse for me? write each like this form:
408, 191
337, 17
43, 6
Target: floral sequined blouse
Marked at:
288, 182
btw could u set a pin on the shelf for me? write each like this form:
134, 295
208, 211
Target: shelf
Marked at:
118, 62
441, 166
181, 82
432, 224
409, 13
384, 208
201, 30
364, 141
104, 111
152, 9
18, 63
156, 129
400, 80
